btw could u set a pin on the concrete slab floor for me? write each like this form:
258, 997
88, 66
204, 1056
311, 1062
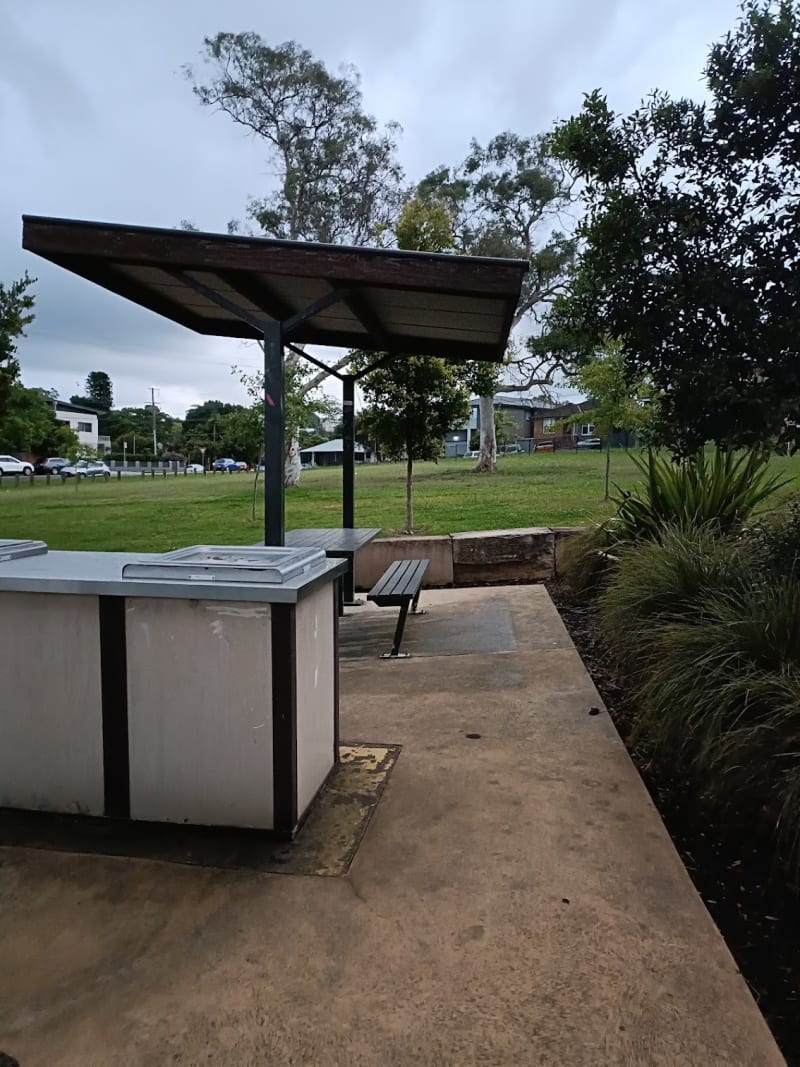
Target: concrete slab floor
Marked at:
516, 899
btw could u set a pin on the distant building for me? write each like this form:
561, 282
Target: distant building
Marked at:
517, 413
528, 421
331, 454
80, 419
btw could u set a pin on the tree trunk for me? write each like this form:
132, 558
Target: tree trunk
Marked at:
488, 457
608, 466
409, 494
291, 464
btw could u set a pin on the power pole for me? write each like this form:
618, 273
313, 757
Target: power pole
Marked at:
153, 407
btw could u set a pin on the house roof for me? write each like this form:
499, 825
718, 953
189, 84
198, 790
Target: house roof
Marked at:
79, 409
337, 445
509, 401
564, 411
406, 303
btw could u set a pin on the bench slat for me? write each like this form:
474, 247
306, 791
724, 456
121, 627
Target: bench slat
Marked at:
402, 579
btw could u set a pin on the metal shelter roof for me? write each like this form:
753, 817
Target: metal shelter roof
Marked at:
424, 303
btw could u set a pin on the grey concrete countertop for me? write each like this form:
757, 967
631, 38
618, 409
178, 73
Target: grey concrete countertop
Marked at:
100, 574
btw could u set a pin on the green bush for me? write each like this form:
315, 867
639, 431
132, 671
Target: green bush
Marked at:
661, 581
693, 492
723, 693
709, 639
585, 560
773, 542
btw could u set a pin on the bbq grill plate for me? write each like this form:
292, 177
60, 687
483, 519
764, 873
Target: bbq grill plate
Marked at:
229, 563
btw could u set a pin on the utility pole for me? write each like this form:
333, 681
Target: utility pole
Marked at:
153, 407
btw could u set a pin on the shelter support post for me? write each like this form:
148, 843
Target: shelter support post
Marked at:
348, 479
348, 464
273, 435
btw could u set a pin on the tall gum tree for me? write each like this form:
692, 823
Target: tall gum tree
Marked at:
510, 198
337, 178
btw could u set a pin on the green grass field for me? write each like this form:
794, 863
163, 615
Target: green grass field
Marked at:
560, 489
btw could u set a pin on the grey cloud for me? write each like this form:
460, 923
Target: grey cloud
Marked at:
99, 123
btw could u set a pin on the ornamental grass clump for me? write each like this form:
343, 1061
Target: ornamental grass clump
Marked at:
719, 690
656, 582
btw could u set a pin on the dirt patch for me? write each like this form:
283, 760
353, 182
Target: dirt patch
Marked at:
728, 852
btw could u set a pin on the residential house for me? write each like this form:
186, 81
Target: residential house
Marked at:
529, 422
80, 419
564, 424
515, 411
331, 454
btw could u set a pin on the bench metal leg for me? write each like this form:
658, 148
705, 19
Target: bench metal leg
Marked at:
398, 635
415, 610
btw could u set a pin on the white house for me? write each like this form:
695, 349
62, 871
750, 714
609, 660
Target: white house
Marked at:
82, 420
331, 454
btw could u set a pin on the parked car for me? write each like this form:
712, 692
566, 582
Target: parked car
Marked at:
87, 468
225, 465
12, 465
509, 450
194, 468
545, 446
52, 465
471, 455
588, 442
240, 463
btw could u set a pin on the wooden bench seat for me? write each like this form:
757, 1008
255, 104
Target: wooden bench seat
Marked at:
399, 586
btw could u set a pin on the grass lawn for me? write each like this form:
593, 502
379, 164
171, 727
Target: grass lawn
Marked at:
135, 514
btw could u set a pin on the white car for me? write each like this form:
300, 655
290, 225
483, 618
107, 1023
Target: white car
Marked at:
87, 468
10, 465
194, 468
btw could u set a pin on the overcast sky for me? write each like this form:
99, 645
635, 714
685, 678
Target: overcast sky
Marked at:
97, 122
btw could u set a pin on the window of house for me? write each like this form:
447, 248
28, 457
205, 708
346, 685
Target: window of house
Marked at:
548, 425
587, 430
84, 427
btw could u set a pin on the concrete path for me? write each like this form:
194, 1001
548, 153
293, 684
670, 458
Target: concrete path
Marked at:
516, 899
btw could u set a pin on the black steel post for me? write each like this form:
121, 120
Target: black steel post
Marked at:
349, 461
273, 435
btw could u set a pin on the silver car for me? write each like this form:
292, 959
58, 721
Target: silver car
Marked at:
87, 468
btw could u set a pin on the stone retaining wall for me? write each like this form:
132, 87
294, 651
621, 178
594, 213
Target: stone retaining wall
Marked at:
533, 554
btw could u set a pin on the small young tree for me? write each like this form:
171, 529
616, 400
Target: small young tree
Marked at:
623, 404
413, 402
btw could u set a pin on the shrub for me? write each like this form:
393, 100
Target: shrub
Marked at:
662, 581
585, 560
773, 542
693, 492
724, 693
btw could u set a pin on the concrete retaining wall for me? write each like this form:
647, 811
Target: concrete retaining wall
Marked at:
533, 554
374, 558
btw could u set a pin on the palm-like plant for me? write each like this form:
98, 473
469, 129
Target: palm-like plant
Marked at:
693, 492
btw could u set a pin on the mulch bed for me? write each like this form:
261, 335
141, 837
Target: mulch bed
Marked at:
728, 855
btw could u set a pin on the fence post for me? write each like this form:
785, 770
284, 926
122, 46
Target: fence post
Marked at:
16, 481
119, 475
47, 478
